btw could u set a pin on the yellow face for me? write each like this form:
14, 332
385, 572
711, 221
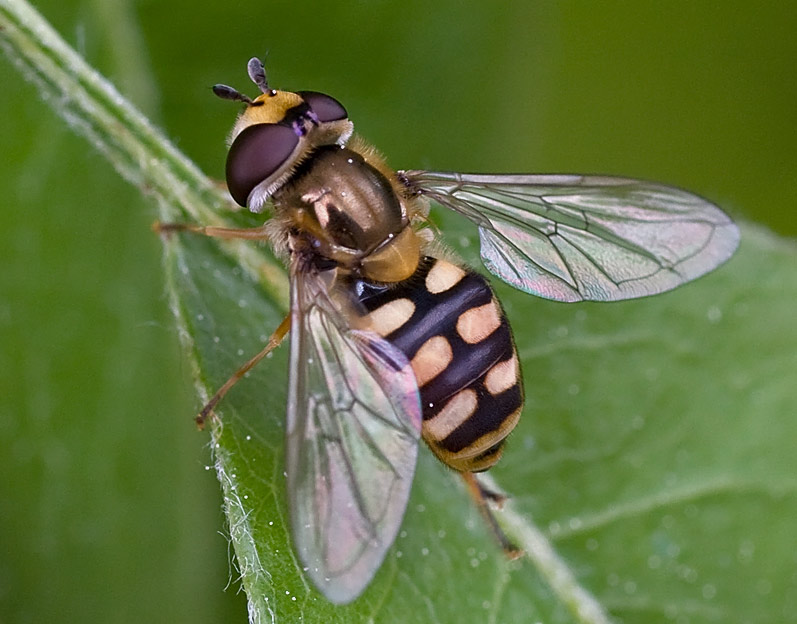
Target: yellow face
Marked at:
274, 134
270, 108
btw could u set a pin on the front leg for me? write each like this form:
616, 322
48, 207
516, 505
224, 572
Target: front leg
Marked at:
258, 233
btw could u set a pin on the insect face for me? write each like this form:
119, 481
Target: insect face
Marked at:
274, 134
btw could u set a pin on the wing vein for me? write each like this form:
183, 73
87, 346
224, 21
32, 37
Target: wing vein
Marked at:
598, 238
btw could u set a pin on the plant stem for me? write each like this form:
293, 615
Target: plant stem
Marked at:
93, 107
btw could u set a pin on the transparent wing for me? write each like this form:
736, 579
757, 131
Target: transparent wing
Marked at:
574, 238
354, 421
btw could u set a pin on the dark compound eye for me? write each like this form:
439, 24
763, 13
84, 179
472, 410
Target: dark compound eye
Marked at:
255, 155
325, 107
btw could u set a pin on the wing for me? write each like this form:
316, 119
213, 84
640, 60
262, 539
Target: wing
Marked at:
574, 238
354, 421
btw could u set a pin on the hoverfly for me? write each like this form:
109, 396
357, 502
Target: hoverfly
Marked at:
391, 341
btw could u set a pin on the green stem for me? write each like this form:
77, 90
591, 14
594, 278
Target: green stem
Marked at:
93, 107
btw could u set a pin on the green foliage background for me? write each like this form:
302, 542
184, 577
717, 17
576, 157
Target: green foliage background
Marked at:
106, 509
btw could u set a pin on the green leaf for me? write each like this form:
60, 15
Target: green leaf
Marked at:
654, 441
652, 475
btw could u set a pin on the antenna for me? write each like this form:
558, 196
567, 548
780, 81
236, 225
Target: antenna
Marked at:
228, 93
258, 74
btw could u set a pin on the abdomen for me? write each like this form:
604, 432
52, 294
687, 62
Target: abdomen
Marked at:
449, 324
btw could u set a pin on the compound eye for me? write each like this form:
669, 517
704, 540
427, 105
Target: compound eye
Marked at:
255, 155
325, 107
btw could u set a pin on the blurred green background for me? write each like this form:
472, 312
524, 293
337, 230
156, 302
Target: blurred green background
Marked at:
106, 507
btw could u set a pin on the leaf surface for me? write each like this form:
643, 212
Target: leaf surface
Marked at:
656, 438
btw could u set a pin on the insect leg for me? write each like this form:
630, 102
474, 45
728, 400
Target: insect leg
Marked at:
482, 496
255, 233
273, 343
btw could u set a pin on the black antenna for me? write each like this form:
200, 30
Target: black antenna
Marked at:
228, 93
258, 74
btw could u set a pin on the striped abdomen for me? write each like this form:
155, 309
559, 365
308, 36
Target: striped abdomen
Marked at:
448, 323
